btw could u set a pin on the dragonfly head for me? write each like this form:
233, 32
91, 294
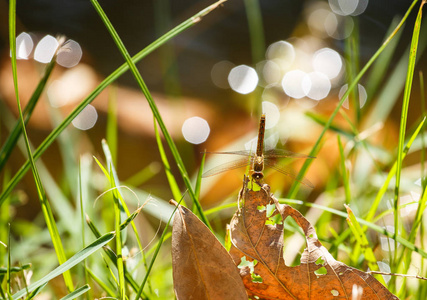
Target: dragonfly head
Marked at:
257, 176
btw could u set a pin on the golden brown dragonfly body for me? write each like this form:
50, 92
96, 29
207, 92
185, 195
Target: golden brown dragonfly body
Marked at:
258, 159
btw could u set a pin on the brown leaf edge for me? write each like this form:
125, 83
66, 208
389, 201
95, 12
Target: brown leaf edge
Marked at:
202, 268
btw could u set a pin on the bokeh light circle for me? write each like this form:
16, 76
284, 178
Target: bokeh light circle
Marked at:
272, 114
283, 53
86, 119
363, 96
70, 54
195, 130
293, 82
45, 49
24, 45
328, 62
348, 7
243, 79
319, 85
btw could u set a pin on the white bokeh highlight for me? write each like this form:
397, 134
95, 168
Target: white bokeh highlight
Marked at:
86, 119
195, 130
243, 79
282, 53
272, 114
316, 85
70, 54
292, 84
24, 45
328, 62
363, 96
348, 7
45, 49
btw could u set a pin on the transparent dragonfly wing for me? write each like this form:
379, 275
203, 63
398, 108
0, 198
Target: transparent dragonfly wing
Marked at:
281, 153
288, 172
239, 152
231, 165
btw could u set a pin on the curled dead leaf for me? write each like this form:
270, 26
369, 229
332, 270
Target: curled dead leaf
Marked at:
257, 247
202, 268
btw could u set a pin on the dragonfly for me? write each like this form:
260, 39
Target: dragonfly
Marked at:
258, 159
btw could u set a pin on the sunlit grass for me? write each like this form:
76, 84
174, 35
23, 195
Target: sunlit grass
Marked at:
127, 268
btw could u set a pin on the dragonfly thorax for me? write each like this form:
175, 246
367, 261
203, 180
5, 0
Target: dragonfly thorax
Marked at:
257, 168
258, 163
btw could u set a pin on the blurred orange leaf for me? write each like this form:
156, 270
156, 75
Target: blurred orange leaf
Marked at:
257, 247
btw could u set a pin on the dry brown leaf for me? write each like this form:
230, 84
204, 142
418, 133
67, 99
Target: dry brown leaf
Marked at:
202, 268
319, 276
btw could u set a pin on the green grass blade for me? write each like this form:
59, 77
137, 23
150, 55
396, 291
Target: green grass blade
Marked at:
403, 120
47, 211
74, 260
125, 213
106, 82
36, 292
12, 139
256, 30
171, 179
112, 123
3, 271
344, 172
117, 218
151, 102
4, 220
82, 222
9, 265
381, 65
78, 292
199, 177
316, 148
391, 90
102, 284
144, 175
391, 174
156, 252
110, 253
361, 238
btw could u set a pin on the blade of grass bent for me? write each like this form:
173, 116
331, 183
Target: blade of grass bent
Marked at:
316, 148
107, 81
403, 120
46, 209
151, 102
